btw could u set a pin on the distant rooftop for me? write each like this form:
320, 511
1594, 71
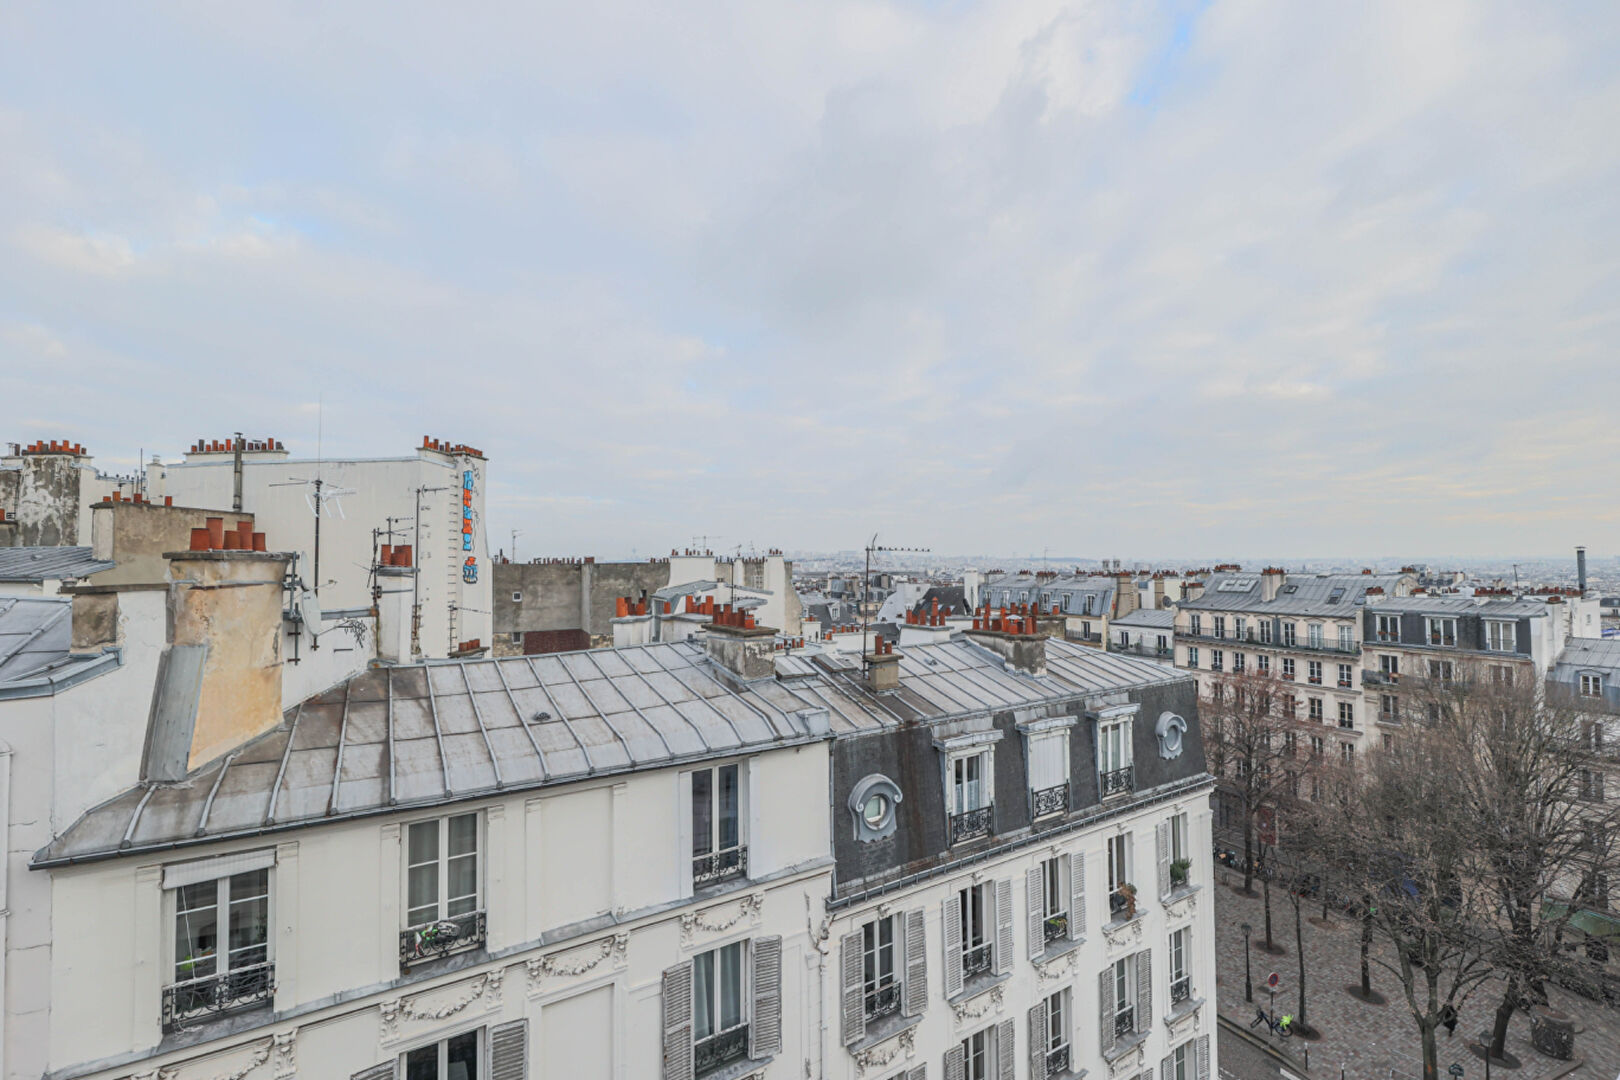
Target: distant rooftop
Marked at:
35, 638
33, 565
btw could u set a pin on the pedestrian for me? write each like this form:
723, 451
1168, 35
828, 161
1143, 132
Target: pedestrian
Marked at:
1448, 1017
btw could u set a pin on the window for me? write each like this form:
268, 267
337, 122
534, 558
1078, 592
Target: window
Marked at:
1500, 636
1181, 1062
1318, 744
1288, 668
455, 1058
1313, 635
1197, 624
1290, 706
1389, 666
1315, 708
211, 976
1347, 753
1238, 662
880, 977
718, 853
1085, 630
1441, 631
517, 597
1592, 734
971, 905
1344, 676
1192, 656
1265, 631
1066, 601
443, 912
1389, 708
1389, 741
1388, 627
1049, 773
1313, 672
1180, 973
977, 1062
970, 789
1163, 644
1054, 899
1125, 996
517, 637
1114, 756
1591, 685
1347, 714
1220, 625
1502, 674
1238, 627
1262, 663
1057, 1033
1347, 639
1217, 660
1119, 871
1288, 634
719, 1021
1290, 744
1125, 638
1591, 785
1180, 851
1441, 671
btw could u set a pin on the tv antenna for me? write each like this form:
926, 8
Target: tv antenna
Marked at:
703, 542
515, 534
873, 547
317, 497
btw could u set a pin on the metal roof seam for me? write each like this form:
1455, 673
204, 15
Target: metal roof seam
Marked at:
667, 749
556, 710
478, 715
286, 753
699, 697
343, 734
670, 704
438, 733
600, 715
545, 773
208, 804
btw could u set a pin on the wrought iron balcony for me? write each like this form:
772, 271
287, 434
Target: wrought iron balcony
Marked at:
882, 1001
1180, 990
975, 960
970, 824
717, 1050
1057, 1061
1057, 927
1125, 1021
1052, 800
1380, 678
194, 1001
1117, 902
718, 866
437, 939
1116, 781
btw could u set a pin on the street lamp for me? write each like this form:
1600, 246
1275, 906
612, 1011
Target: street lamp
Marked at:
1248, 983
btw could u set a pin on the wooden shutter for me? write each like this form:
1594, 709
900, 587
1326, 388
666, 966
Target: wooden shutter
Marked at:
1105, 1007
1077, 893
852, 964
1037, 1041
1006, 1050
953, 944
509, 1051
916, 992
1161, 836
955, 1063
678, 1022
1004, 926
918, 1073
1144, 990
1203, 1057
765, 1025
385, 1071
1035, 905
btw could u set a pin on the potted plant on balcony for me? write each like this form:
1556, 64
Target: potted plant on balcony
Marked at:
1127, 901
1178, 872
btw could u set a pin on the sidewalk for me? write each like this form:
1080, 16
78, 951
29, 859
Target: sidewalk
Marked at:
1371, 1041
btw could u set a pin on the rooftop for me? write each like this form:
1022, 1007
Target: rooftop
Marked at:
33, 565
427, 734
35, 637
1147, 618
1587, 653
1300, 594
1450, 604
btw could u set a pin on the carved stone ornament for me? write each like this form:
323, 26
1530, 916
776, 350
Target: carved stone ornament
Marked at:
748, 907
1186, 1023
974, 1007
396, 1011
1179, 904
1061, 968
575, 962
258, 1054
1124, 933
1130, 1060
1170, 729
286, 1050
879, 1056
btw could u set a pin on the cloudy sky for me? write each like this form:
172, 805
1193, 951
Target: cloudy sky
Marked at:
1114, 279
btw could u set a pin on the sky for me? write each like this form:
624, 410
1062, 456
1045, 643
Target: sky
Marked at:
1112, 279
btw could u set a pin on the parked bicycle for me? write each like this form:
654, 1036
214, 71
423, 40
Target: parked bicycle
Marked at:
1282, 1026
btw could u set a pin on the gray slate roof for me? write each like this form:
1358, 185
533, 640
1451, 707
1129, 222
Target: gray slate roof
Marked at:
1585, 654
422, 735
1449, 604
35, 635
1147, 619
1310, 593
37, 564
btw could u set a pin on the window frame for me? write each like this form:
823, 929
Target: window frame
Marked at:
1502, 635
442, 1042
1313, 707
1347, 715
874, 980
441, 861
1443, 627
1591, 684
745, 989
955, 764
718, 869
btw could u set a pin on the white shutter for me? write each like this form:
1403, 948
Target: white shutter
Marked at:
765, 1026
1161, 836
916, 995
918, 1073
953, 945
1047, 761
1037, 1041
1006, 1050
1165, 1065
852, 965
955, 1064
1004, 926
509, 1051
385, 1071
1144, 990
239, 862
1203, 1057
1105, 1007
1035, 906
1077, 893
678, 1022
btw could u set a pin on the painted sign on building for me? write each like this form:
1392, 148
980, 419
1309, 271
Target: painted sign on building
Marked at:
469, 568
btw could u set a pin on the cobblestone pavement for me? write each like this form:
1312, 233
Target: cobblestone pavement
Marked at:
1371, 1042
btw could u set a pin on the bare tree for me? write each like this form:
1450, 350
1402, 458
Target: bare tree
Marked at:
1250, 748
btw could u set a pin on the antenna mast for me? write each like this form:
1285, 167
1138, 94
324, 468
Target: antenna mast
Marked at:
872, 546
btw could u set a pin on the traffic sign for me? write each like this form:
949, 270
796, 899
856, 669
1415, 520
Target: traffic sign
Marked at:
1273, 980
1456, 1069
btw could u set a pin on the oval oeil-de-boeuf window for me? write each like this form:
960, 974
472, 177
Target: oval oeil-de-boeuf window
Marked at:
875, 810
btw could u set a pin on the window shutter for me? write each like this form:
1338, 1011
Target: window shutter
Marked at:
916, 993
385, 1071
678, 1022
509, 1051
1077, 893
1144, 990
1037, 1042
1004, 926
953, 947
1161, 836
919, 1073
1203, 1057
765, 1026
1105, 1007
853, 965
1166, 1064
1034, 902
955, 1064
1006, 1050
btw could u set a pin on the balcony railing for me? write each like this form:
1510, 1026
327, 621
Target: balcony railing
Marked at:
717, 1050
1346, 684
1052, 800
1380, 678
1116, 781
442, 938
718, 866
882, 1001
1057, 927
1166, 653
975, 960
1180, 990
970, 824
1057, 1061
196, 1000
1250, 638
1125, 1021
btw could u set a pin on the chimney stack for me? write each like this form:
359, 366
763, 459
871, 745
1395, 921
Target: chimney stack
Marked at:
741, 650
395, 586
1580, 569
1271, 579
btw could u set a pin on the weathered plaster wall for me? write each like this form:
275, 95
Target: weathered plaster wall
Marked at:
136, 535
47, 507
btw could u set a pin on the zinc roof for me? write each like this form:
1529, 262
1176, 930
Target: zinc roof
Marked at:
37, 564
36, 634
1299, 594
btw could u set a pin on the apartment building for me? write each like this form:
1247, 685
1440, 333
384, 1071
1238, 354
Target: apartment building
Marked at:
1085, 602
1586, 675
1305, 630
1148, 632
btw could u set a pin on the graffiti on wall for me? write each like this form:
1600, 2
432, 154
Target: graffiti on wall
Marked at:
469, 568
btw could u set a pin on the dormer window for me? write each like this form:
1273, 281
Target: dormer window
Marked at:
1501, 636
1591, 684
1441, 631
1114, 760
